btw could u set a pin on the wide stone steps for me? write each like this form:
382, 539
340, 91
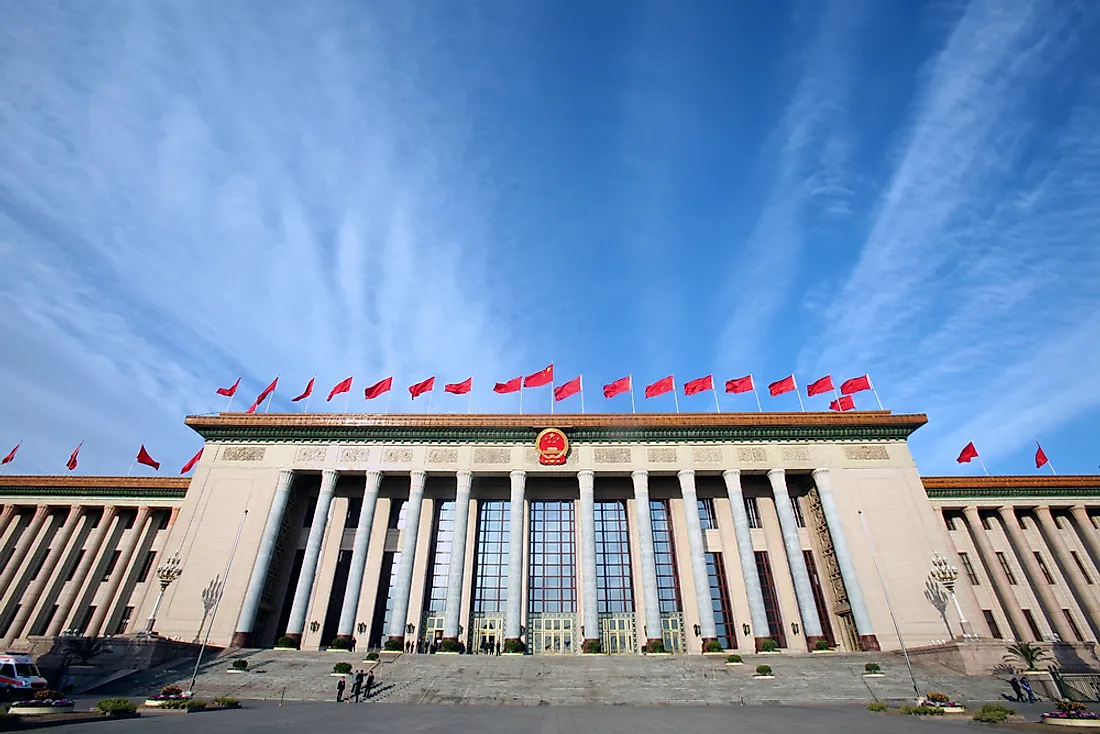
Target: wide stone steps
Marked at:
579, 680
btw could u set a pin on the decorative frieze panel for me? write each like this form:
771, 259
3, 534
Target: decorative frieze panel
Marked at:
611, 455
397, 456
350, 454
795, 453
243, 453
661, 455
707, 454
752, 453
443, 456
492, 456
310, 454
866, 453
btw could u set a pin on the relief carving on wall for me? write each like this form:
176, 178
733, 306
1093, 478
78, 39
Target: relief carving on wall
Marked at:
752, 453
866, 453
493, 456
354, 453
795, 453
442, 456
243, 453
662, 455
611, 455
310, 453
397, 456
707, 454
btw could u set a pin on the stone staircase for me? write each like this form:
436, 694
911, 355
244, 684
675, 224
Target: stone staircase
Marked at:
574, 680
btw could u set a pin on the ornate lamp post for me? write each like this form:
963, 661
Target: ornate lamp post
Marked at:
167, 572
946, 574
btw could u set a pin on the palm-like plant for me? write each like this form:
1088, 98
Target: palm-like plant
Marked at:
83, 650
1026, 653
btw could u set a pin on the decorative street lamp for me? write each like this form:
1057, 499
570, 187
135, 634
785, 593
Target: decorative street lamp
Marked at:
167, 572
946, 574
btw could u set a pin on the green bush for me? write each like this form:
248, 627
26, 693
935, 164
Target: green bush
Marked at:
119, 707
195, 704
592, 647
713, 646
657, 646
733, 658
344, 668
394, 645
994, 713
922, 710
340, 643
372, 656
877, 706
240, 664
871, 668
449, 645
514, 646
822, 645
175, 703
768, 645
285, 641
227, 702
763, 670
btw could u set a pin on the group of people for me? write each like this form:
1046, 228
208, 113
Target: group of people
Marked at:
360, 687
424, 647
1020, 687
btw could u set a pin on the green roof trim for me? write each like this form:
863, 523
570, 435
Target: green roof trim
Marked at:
104, 493
1012, 493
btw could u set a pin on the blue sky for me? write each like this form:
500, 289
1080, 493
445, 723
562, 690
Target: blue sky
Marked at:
192, 191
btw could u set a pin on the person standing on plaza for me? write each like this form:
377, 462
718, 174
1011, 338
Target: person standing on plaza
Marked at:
356, 687
340, 686
368, 685
1016, 689
498, 649
1026, 685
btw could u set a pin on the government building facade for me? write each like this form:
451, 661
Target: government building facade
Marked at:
553, 534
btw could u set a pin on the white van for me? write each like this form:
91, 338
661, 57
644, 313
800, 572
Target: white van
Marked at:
19, 675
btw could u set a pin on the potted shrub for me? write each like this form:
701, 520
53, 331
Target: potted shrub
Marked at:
942, 701
763, 671
286, 643
656, 647
393, 645
713, 646
118, 708
239, 666
734, 660
340, 670
1026, 653
514, 647
822, 646
769, 645
169, 697
43, 702
371, 657
450, 647
872, 670
1072, 713
592, 647
340, 644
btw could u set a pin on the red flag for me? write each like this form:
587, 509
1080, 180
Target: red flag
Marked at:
1040, 458
512, 385
422, 387
378, 388
543, 377
844, 403
11, 454
618, 387
342, 387
460, 388
561, 392
71, 463
263, 395
693, 387
741, 384
968, 453
856, 384
229, 391
782, 386
191, 464
307, 392
660, 387
825, 384
143, 457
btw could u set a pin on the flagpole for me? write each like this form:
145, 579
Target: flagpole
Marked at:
716, 405
310, 396
798, 394
389, 393
131, 467
979, 458
1048, 458
582, 394
430, 394
230, 402
674, 397
347, 400
632, 393
521, 396
759, 407
272, 400
470, 403
875, 392
552, 401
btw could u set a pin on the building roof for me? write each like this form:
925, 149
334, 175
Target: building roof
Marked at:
161, 488
1013, 487
854, 425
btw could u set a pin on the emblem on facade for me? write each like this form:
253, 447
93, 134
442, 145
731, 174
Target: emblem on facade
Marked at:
552, 447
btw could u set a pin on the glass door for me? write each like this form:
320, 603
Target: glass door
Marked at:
552, 635
617, 635
672, 633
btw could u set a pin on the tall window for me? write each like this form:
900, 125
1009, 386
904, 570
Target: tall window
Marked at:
1031, 623
771, 599
796, 506
985, 522
1073, 625
949, 520
1006, 567
147, 566
706, 514
491, 577
819, 597
395, 562
664, 551
992, 622
115, 555
553, 573
614, 594
1081, 566
968, 567
435, 597
720, 599
753, 511
1043, 567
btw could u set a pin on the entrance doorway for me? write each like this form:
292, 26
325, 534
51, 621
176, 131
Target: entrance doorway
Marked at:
672, 633
552, 635
485, 633
617, 635
432, 630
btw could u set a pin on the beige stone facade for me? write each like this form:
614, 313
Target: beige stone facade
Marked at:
682, 530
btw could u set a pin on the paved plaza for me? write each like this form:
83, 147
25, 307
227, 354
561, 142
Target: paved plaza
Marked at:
318, 718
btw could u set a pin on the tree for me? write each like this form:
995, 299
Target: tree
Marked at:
1026, 653
83, 650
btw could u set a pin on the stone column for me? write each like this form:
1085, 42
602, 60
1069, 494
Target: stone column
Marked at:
1001, 586
308, 576
514, 603
1050, 606
256, 582
651, 602
1086, 530
703, 601
811, 624
8, 520
69, 595
408, 555
95, 628
1078, 586
359, 547
742, 531
590, 617
22, 548
868, 641
30, 596
452, 610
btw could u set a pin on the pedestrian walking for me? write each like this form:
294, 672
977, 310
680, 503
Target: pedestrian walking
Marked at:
498, 649
340, 686
368, 684
356, 687
1026, 685
1016, 689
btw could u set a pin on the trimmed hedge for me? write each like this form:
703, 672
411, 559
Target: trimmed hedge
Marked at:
117, 707
514, 646
733, 658
344, 668
763, 670
877, 706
